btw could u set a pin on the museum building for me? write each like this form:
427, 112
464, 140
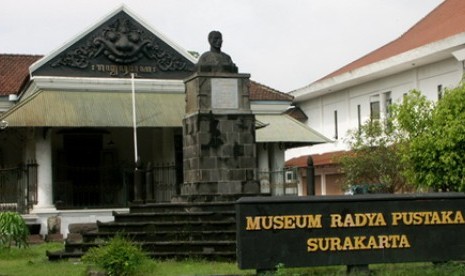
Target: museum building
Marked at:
428, 57
68, 119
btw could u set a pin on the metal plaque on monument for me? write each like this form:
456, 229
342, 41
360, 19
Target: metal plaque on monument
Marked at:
218, 128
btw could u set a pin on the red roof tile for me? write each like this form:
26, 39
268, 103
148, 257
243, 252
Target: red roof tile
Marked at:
14, 71
444, 21
260, 92
318, 159
297, 113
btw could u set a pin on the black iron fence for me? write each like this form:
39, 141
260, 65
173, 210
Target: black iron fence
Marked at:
77, 187
114, 186
111, 186
158, 183
18, 187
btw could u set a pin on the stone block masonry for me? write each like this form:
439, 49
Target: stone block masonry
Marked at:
219, 136
218, 159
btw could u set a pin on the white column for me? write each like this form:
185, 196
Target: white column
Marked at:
263, 168
277, 166
44, 171
277, 159
323, 184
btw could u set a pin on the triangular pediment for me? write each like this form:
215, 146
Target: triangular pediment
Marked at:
115, 47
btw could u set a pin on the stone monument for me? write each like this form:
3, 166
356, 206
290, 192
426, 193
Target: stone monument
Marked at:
218, 128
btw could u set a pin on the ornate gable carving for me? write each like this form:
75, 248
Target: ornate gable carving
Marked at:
117, 48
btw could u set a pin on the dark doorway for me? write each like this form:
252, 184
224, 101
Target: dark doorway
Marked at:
179, 162
82, 156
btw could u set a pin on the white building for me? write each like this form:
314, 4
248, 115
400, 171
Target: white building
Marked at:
428, 57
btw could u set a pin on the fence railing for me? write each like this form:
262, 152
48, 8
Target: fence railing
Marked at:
114, 186
18, 187
89, 187
111, 186
159, 183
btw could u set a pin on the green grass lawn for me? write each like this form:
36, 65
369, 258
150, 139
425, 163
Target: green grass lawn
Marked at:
33, 261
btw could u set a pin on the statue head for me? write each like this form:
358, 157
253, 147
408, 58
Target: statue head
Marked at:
216, 40
215, 60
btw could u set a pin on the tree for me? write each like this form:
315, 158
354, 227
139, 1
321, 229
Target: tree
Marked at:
412, 117
381, 150
434, 151
411, 121
373, 159
421, 144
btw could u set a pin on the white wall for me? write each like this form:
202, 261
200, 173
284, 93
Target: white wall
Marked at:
320, 110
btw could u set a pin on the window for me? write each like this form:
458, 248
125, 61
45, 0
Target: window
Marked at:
374, 110
387, 104
440, 90
379, 106
359, 117
336, 136
289, 177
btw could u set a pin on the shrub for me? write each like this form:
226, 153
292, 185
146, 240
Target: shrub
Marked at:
13, 230
118, 257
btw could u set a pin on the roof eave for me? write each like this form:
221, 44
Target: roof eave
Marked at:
108, 84
269, 107
423, 55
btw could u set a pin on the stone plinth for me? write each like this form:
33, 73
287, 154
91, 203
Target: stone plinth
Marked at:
219, 136
220, 93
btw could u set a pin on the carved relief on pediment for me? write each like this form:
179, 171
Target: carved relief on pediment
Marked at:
122, 46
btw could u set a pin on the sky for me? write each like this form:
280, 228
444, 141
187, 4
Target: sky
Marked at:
284, 44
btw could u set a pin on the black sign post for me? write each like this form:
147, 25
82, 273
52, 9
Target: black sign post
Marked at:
349, 230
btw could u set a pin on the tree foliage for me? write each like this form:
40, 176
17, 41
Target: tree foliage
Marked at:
381, 150
421, 144
373, 160
411, 120
434, 154
412, 117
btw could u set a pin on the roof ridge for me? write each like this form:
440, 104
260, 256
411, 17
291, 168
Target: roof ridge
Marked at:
19, 55
400, 45
421, 20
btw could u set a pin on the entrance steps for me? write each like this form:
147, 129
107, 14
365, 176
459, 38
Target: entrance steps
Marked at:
184, 228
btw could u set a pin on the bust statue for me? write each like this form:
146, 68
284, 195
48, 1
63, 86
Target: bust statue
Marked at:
215, 60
